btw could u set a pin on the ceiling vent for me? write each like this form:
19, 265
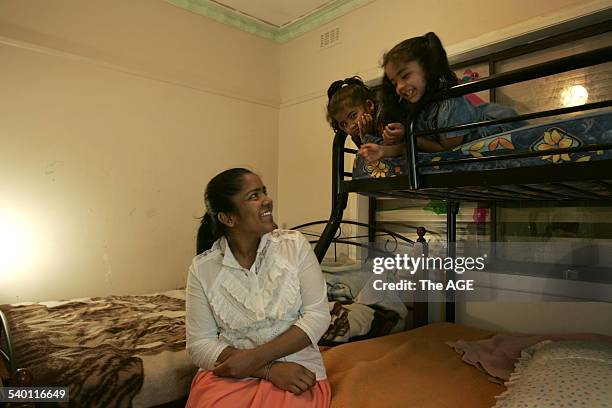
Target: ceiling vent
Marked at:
331, 37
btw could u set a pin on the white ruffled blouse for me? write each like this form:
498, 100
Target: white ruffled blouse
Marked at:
228, 305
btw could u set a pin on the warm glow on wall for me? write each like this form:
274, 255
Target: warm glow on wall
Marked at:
574, 95
16, 244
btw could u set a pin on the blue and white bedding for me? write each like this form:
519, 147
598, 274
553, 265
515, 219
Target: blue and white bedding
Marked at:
585, 130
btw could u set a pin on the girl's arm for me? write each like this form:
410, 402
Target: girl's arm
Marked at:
431, 146
449, 112
372, 152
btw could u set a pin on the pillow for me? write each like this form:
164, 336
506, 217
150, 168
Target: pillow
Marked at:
355, 321
497, 355
561, 374
344, 278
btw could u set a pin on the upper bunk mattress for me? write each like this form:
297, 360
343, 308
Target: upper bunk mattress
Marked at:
584, 130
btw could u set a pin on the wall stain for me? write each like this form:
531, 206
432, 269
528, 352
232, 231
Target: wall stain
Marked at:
108, 276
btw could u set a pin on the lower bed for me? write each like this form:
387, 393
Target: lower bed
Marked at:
415, 368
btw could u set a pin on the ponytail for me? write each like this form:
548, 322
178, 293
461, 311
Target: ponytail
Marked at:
218, 197
438, 63
208, 233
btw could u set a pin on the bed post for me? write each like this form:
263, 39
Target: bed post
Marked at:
339, 199
452, 208
372, 205
420, 311
411, 148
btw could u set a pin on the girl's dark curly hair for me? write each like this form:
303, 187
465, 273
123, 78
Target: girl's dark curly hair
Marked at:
346, 92
428, 51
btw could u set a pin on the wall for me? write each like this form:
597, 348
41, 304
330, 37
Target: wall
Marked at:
113, 116
538, 317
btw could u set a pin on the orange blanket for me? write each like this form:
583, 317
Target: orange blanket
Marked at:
409, 369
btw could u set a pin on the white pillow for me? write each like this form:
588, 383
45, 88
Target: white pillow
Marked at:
561, 374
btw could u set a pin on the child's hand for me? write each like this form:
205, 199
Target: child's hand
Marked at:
393, 133
371, 152
364, 124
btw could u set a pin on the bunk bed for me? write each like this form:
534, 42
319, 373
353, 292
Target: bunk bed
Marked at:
486, 176
430, 374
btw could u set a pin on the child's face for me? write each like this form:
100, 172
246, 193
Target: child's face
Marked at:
347, 116
408, 79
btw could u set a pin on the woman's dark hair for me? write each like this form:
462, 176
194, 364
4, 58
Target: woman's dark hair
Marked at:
218, 197
346, 92
427, 51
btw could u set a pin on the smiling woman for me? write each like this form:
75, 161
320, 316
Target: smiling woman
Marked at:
256, 304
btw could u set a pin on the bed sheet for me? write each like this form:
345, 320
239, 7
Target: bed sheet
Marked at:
409, 369
583, 130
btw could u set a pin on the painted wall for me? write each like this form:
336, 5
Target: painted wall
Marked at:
538, 317
113, 116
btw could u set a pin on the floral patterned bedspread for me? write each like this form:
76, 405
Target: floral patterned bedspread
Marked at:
579, 131
584, 130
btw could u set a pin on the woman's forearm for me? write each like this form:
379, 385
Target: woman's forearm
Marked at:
291, 341
240, 363
225, 353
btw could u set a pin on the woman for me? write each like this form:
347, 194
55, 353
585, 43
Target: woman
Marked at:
256, 304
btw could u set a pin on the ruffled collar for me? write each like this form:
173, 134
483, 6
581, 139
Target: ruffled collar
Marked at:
228, 257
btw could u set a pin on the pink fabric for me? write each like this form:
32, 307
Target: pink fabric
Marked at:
474, 99
497, 355
469, 76
208, 390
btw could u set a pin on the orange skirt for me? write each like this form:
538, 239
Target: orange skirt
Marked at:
208, 390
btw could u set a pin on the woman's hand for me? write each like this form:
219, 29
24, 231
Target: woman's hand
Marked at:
364, 124
371, 152
239, 364
291, 377
393, 133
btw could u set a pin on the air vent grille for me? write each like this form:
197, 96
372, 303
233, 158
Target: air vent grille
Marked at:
330, 37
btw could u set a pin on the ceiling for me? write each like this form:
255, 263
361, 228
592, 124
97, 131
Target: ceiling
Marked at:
276, 13
278, 20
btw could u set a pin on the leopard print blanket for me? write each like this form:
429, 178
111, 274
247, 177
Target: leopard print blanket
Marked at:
94, 346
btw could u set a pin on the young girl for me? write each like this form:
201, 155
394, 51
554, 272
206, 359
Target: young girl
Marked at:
352, 109
415, 70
